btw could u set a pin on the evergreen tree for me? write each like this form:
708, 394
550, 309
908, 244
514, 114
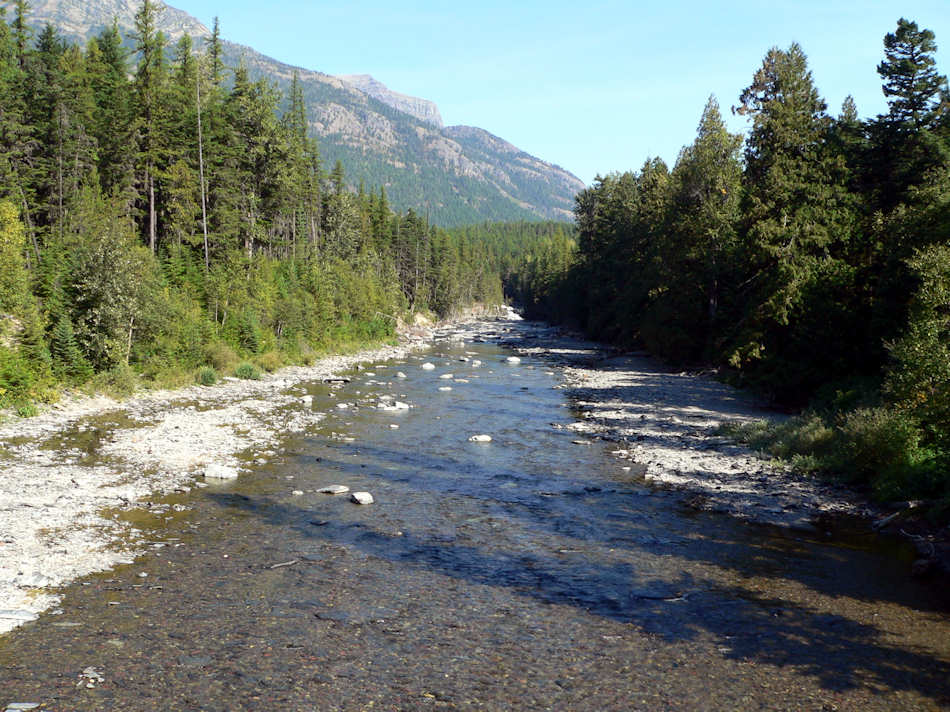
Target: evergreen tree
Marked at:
912, 85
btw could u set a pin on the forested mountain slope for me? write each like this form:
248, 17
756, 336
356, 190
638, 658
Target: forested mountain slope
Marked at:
455, 175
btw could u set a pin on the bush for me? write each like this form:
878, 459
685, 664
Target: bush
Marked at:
876, 441
120, 380
207, 376
27, 410
221, 357
270, 361
17, 379
248, 371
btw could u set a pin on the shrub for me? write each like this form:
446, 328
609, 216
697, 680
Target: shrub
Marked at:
120, 380
247, 371
876, 441
270, 361
220, 356
27, 410
207, 376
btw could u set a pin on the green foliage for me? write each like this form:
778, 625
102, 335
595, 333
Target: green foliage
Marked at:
207, 376
247, 371
18, 382
221, 356
919, 379
14, 281
270, 361
68, 359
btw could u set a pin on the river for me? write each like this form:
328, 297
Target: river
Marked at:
527, 573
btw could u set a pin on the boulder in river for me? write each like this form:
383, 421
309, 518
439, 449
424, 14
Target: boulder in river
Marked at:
400, 374
428, 366
361, 498
216, 471
512, 359
334, 489
445, 389
480, 439
447, 376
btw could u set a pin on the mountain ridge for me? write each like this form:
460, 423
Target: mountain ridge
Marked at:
455, 174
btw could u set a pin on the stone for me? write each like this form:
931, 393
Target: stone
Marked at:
220, 472
512, 359
361, 498
297, 493
334, 489
447, 376
428, 366
393, 426
17, 706
445, 388
400, 374
18, 615
476, 363
480, 439
399, 405
307, 400
342, 406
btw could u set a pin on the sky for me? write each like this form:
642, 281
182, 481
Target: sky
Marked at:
594, 86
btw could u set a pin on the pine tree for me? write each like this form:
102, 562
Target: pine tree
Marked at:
912, 85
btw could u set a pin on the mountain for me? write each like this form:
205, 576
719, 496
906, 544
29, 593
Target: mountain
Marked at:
422, 109
455, 175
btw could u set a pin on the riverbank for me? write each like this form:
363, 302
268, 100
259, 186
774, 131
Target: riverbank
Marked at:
59, 504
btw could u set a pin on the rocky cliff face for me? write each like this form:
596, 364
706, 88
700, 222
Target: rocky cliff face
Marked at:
82, 18
456, 174
422, 109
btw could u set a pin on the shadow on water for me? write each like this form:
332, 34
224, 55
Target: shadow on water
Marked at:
836, 650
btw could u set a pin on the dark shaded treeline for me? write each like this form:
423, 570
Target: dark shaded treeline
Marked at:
159, 210
810, 261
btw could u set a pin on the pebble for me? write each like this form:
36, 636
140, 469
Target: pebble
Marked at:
428, 366
400, 374
480, 439
361, 498
297, 493
334, 489
513, 359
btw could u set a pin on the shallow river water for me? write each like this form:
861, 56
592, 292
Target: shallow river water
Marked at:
525, 573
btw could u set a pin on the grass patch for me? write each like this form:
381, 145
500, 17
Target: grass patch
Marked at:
206, 376
247, 371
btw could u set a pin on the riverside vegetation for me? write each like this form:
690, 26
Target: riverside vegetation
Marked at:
164, 217
810, 261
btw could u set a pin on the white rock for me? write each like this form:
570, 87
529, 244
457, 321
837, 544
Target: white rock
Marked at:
361, 498
480, 439
297, 493
334, 489
307, 399
220, 472
400, 374
342, 406
445, 388
428, 366
476, 363
399, 405
447, 376
25, 616
513, 359
393, 426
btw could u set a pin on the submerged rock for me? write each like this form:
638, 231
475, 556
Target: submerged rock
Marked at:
361, 498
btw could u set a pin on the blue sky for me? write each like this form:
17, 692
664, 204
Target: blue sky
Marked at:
594, 86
